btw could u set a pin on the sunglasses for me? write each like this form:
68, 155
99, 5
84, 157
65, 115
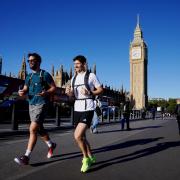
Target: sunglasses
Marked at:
33, 60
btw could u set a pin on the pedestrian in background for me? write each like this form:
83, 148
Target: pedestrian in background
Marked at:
177, 112
96, 117
153, 111
126, 116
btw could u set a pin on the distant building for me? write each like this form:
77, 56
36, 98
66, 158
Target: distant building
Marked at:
157, 99
61, 78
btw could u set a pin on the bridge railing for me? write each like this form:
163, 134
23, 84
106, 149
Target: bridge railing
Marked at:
63, 113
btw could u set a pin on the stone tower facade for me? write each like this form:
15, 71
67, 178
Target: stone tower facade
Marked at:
138, 55
23, 73
61, 77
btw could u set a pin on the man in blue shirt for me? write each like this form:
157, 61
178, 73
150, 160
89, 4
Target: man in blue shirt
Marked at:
38, 85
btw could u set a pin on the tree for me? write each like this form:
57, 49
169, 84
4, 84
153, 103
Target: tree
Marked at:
169, 105
172, 105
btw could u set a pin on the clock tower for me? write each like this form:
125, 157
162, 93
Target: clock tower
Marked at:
138, 69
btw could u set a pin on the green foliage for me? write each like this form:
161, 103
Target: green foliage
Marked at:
168, 105
172, 106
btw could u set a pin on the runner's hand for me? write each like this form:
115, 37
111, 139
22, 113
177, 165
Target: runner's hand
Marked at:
84, 91
21, 92
43, 94
68, 90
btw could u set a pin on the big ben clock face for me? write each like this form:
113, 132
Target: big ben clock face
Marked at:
136, 53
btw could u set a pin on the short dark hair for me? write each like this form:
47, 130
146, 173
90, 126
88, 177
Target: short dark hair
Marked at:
80, 58
37, 56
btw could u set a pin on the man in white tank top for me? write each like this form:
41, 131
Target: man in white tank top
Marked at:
84, 106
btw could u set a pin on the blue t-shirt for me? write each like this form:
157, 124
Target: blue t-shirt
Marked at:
37, 84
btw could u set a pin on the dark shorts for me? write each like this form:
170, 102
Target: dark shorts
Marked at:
83, 117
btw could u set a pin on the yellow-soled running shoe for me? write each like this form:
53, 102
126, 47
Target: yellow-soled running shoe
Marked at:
85, 165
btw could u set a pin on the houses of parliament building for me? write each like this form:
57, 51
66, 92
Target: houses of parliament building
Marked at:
62, 78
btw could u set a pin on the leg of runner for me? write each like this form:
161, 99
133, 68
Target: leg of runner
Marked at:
79, 136
24, 160
46, 139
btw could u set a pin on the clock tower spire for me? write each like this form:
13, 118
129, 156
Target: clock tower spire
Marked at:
138, 69
138, 35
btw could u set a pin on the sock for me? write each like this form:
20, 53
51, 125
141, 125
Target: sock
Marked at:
28, 152
49, 143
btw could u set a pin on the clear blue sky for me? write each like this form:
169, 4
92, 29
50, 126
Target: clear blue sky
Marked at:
99, 29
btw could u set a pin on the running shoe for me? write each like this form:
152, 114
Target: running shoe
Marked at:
50, 150
85, 165
23, 160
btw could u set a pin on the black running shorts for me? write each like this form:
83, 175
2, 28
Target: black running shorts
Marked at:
83, 117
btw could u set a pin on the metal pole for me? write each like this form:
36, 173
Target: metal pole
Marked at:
102, 118
13, 119
108, 115
119, 114
133, 116
138, 114
58, 120
114, 115
141, 114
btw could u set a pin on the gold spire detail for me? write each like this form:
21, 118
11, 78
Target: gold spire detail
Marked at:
23, 73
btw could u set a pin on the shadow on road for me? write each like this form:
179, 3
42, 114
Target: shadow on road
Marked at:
126, 144
67, 156
135, 155
60, 157
140, 128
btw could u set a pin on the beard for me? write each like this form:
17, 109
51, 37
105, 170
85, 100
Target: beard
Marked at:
34, 66
79, 69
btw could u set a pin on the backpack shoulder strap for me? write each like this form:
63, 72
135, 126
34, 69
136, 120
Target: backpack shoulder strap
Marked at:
73, 82
41, 75
30, 79
86, 79
42, 79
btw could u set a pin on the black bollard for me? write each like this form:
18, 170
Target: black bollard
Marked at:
58, 120
102, 117
108, 114
13, 118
